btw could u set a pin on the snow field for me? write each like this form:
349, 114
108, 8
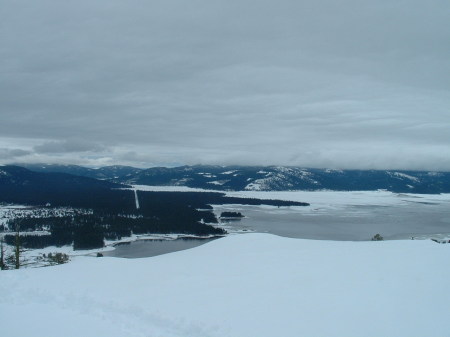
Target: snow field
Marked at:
240, 285
328, 199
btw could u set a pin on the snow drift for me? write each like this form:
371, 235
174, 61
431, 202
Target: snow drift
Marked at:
241, 285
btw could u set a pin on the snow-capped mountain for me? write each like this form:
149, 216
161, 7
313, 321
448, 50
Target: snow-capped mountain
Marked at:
278, 178
264, 178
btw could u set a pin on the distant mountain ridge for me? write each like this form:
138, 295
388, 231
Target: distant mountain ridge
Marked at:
19, 185
102, 173
279, 178
266, 178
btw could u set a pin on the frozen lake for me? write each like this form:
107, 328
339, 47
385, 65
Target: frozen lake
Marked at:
347, 215
154, 247
341, 216
350, 223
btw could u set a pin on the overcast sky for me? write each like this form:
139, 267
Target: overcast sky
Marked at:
315, 83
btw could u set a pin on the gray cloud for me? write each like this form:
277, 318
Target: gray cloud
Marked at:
312, 83
68, 146
11, 154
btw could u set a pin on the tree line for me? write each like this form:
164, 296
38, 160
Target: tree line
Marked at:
111, 215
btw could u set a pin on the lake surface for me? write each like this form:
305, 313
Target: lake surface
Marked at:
148, 248
347, 222
355, 216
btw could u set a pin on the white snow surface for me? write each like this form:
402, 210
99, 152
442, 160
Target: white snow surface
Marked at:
241, 286
255, 186
168, 188
217, 182
322, 199
403, 175
229, 172
136, 198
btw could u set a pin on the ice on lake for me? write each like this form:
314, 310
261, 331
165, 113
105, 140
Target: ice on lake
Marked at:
346, 215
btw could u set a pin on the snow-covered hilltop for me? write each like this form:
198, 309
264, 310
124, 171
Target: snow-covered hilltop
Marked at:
239, 286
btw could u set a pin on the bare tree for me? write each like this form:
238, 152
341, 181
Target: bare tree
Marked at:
2, 255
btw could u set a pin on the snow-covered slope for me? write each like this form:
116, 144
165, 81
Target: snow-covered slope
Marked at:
264, 178
239, 286
279, 178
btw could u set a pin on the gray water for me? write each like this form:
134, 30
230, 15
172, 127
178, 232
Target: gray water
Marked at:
148, 248
357, 223
418, 220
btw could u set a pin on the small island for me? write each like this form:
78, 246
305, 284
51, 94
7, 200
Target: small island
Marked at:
232, 215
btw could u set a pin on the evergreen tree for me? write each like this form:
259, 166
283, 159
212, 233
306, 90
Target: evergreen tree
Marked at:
17, 245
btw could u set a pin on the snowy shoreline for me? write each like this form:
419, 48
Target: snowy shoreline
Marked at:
32, 258
321, 201
314, 198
